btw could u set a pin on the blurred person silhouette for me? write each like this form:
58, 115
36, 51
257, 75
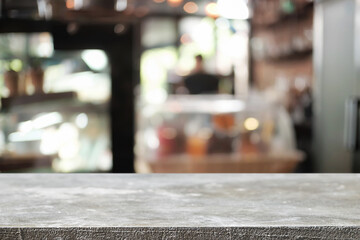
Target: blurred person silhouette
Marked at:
200, 82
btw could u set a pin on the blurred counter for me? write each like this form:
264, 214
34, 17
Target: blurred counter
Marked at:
225, 163
215, 133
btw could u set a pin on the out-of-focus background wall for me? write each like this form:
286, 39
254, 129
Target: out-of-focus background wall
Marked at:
179, 86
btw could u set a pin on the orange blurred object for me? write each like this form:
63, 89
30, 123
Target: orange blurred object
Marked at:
196, 146
224, 121
174, 3
70, 4
212, 10
191, 7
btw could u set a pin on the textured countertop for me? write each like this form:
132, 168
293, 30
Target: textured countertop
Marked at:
208, 206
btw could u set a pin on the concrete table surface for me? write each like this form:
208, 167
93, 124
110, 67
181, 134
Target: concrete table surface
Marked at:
208, 206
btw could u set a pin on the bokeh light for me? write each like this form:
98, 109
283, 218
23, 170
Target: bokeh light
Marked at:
212, 10
191, 7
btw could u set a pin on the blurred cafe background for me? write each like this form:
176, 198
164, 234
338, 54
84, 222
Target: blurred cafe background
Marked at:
179, 86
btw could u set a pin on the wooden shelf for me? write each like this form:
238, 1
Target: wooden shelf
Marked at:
7, 103
282, 18
294, 56
22, 162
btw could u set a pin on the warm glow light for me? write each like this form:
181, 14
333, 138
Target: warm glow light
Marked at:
75, 4
212, 10
191, 7
174, 3
251, 124
70, 4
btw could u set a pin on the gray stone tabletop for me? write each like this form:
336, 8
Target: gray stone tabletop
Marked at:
179, 206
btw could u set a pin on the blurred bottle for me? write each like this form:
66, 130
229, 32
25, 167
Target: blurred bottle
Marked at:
197, 144
171, 140
12, 82
36, 75
222, 139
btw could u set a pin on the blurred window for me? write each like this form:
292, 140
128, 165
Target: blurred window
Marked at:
158, 32
169, 46
66, 127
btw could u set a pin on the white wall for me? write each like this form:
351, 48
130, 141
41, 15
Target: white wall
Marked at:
335, 80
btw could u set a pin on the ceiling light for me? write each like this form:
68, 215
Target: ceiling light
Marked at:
121, 5
70, 4
191, 7
212, 10
251, 124
233, 9
95, 59
74, 4
174, 3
